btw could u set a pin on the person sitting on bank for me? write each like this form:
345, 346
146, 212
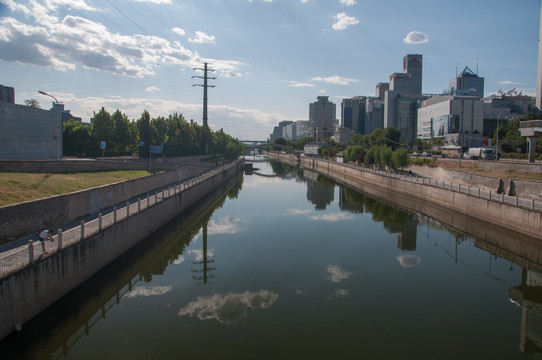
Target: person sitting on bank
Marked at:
45, 235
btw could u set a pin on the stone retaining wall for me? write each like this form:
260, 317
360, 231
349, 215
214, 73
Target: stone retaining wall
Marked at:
26, 292
24, 218
515, 218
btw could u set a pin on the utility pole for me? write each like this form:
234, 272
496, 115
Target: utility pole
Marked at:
205, 86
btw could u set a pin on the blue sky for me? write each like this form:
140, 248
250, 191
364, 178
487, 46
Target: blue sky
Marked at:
272, 57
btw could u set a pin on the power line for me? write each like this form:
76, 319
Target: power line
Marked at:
205, 86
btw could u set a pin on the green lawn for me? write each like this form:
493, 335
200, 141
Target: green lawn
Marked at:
18, 187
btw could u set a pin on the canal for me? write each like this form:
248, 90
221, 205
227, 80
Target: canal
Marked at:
286, 264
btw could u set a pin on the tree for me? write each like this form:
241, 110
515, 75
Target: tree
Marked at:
77, 140
124, 138
32, 103
101, 128
145, 131
393, 136
399, 158
355, 153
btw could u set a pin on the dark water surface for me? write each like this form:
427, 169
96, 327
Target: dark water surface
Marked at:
295, 266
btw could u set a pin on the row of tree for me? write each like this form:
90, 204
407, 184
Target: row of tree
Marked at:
381, 147
124, 137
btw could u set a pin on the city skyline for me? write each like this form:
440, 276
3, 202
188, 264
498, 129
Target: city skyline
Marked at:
272, 57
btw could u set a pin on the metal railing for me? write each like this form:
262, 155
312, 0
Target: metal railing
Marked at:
529, 204
21, 256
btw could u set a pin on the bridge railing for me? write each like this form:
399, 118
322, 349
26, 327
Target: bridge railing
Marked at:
21, 256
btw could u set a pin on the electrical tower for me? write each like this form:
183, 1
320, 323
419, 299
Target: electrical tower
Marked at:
205, 86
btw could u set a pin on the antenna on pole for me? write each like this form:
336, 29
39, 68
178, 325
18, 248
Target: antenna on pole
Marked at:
205, 86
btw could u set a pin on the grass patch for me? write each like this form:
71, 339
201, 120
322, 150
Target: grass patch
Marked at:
18, 187
423, 161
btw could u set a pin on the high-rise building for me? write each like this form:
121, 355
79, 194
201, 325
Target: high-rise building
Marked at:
353, 114
410, 80
402, 99
7, 94
322, 114
381, 89
467, 83
374, 114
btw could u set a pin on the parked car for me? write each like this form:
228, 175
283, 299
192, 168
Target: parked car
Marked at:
415, 153
426, 154
466, 156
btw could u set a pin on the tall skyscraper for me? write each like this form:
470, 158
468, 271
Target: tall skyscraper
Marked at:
467, 83
322, 114
401, 100
353, 114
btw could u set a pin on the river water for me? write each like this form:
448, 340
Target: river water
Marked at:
286, 264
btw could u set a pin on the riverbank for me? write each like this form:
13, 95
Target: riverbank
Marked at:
38, 282
510, 212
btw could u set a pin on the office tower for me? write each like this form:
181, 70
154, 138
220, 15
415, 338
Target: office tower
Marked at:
381, 89
467, 83
322, 115
353, 114
401, 100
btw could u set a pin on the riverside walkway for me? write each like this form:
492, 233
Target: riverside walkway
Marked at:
20, 253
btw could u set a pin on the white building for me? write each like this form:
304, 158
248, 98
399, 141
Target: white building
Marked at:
458, 120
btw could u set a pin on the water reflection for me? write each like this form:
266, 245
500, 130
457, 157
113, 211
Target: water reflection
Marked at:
228, 309
188, 244
336, 274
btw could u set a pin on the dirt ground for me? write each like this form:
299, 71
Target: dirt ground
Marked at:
472, 166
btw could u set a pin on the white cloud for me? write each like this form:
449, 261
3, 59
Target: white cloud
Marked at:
416, 37
242, 123
335, 80
343, 21
304, 1
155, 1
203, 38
408, 261
143, 291
224, 225
64, 44
299, 211
198, 254
299, 84
348, 2
509, 82
341, 293
230, 308
179, 31
336, 274
332, 217
152, 89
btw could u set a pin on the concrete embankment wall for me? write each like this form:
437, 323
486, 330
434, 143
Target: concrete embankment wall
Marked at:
27, 217
523, 188
25, 293
515, 218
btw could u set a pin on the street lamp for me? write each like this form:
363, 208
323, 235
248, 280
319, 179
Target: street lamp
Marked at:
59, 128
44, 93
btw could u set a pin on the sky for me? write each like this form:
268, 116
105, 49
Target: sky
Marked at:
271, 58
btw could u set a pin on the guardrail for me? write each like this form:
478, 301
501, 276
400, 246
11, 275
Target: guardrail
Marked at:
530, 204
19, 257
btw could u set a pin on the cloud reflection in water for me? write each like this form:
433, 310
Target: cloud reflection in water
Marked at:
408, 261
230, 308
